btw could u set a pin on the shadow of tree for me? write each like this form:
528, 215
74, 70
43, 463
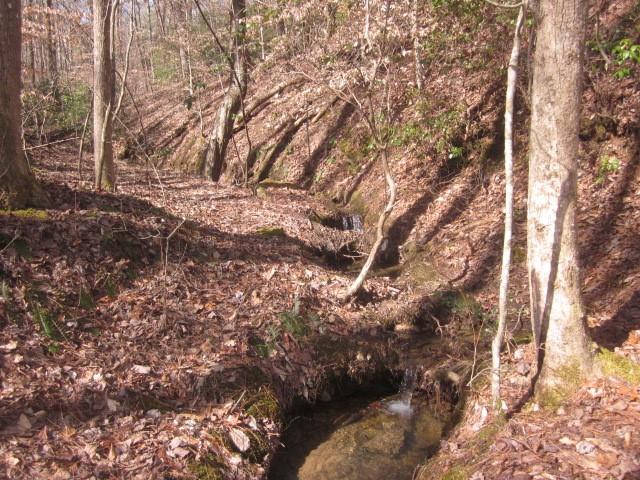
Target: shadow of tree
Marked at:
323, 147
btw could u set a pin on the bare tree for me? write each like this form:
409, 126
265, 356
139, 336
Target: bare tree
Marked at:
104, 12
512, 77
18, 187
214, 154
557, 312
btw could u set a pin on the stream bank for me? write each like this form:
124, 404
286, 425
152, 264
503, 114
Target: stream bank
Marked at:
380, 430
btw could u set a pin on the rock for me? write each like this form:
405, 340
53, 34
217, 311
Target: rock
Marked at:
584, 448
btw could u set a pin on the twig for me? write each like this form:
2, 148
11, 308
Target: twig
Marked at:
51, 143
15, 237
237, 402
505, 5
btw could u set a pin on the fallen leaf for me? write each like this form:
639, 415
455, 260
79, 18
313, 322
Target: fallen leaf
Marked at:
9, 347
24, 425
142, 369
240, 439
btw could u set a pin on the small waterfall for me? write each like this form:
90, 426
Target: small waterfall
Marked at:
352, 222
402, 406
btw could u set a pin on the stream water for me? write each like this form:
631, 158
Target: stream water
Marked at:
361, 438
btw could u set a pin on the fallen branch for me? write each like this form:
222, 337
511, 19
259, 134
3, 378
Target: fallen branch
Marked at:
51, 143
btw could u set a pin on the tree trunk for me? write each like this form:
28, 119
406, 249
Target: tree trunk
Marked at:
230, 107
496, 345
103, 93
52, 63
18, 187
557, 312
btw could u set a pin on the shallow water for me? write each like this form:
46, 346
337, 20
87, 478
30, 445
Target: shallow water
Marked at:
359, 439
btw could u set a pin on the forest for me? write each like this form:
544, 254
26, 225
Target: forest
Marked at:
320, 240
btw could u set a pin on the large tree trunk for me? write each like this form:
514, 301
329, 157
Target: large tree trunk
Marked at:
230, 107
17, 185
557, 312
103, 94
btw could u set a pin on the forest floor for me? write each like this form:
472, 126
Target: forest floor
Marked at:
163, 331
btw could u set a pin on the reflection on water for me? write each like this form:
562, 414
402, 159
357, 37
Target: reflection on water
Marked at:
359, 439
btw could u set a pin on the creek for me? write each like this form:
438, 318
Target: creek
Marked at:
365, 436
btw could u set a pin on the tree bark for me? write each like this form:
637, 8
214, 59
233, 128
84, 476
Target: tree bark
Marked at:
234, 96
496, 345
557, 312
52, 62
103, 93
18, 187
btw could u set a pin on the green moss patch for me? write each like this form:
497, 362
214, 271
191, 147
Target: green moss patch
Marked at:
27, 213
264, 404
616, 365
208, 468
569, 379
456, 473
271, 231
